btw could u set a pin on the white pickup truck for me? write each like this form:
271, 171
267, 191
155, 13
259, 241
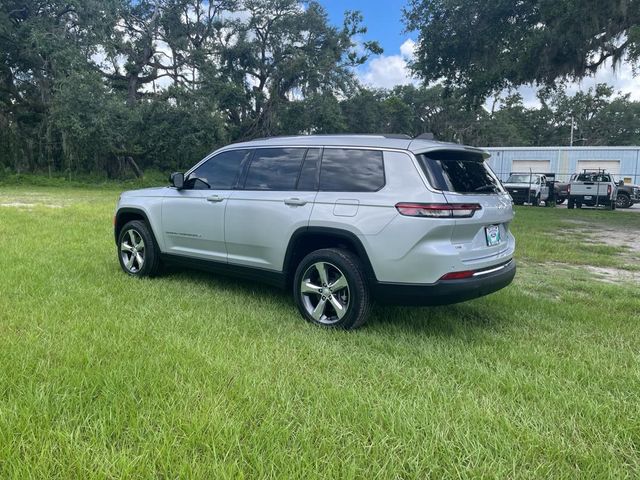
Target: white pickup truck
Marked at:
527, 188
593, 188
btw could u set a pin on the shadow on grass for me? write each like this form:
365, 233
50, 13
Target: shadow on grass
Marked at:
449, 320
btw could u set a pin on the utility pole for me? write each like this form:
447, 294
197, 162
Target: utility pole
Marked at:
571, 139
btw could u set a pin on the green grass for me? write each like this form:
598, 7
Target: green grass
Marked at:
190, 375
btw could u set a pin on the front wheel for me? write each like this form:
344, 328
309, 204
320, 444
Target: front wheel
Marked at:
137, 251
331, 289
536, 201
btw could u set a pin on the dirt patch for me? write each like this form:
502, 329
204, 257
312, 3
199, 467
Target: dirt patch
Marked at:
28, 205
613, 275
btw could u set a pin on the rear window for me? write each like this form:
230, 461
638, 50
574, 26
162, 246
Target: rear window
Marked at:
347, 170
461, 172
593, 177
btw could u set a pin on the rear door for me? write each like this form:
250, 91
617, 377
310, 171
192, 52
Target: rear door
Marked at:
464, 177
275, 199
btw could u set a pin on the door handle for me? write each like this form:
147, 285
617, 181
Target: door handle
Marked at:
215, 198
295, 202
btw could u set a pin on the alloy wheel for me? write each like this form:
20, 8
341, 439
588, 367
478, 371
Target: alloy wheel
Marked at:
324, 292
132, 251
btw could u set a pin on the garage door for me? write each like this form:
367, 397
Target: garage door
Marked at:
535, 166
611, 166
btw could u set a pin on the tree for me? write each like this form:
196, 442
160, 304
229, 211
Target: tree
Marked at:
487, 45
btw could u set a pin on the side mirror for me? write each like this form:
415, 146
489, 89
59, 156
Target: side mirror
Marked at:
621, 183
177, 180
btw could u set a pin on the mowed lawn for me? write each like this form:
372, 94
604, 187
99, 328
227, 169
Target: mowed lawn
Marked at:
191, 375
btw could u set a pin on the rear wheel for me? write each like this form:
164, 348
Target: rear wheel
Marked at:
623, 200
137, 251
331, 290
571, 204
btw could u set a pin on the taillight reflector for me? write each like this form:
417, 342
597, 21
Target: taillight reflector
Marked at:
438, 210
458, 275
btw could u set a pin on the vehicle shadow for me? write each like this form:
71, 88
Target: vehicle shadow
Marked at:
457, 320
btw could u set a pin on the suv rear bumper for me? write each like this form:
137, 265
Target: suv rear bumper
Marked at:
445, 292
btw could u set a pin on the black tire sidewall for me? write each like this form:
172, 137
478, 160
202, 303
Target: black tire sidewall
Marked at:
627, 201
150, 264
350, 266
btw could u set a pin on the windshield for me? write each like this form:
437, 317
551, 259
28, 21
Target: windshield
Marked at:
520, 178
460, 172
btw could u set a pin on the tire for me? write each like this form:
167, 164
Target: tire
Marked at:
578, 205
623, 201
320, 304
138, 253
571, 204
536, 201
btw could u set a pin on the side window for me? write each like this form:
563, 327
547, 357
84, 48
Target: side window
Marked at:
274, 169
220, 172
346, 170
308, 180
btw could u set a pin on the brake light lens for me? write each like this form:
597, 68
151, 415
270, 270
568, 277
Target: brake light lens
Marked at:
608, 190
569, 188
438, 210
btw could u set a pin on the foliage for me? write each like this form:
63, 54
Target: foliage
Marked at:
488, 45
106, 86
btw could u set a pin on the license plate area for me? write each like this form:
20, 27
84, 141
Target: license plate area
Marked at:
588, 197
492, 234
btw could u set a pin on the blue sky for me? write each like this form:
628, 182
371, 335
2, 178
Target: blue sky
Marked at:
383, 20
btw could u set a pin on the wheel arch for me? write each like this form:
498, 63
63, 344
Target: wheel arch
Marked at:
308, 239
125, 215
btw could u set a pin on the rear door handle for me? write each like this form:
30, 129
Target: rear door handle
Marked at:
296, 202
215, 198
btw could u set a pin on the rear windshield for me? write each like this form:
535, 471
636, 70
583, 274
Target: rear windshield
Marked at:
593, 177
461, 172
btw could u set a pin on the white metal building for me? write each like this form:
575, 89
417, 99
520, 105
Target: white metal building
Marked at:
622, 162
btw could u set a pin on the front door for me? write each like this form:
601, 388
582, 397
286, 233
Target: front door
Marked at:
193, 217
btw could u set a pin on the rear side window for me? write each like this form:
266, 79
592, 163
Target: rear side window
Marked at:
274, 169
347, 170
220, 172
461, 172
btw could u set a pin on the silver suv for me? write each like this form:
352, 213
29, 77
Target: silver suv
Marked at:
341, 220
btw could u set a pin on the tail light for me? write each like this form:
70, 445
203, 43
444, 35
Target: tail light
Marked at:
569, 188
608, 190
438, 210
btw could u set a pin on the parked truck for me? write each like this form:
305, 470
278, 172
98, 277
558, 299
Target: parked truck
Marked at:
594, 188
534, 188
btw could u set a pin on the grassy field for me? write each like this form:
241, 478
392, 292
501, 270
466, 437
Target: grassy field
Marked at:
189, 375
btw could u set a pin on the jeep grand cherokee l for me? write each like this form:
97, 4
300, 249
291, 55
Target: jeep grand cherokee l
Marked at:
343, 221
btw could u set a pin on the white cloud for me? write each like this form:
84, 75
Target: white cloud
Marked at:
407, 49
621, 79
388, 71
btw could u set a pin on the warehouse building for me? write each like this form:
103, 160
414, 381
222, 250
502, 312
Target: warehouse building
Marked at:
622, 162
